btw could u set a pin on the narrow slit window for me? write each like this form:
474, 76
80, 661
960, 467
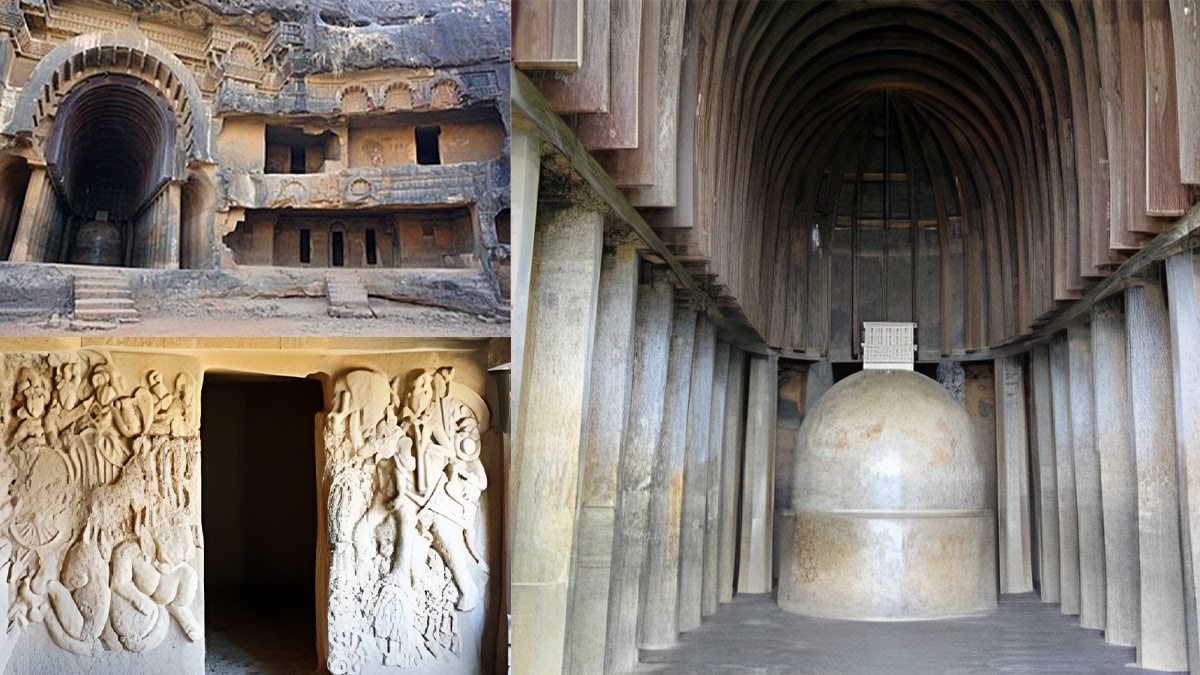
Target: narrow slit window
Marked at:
428, 151
372, 257
305, 246
338, 249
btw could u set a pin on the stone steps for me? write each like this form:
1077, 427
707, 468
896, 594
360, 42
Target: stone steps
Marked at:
347, 296
103, 295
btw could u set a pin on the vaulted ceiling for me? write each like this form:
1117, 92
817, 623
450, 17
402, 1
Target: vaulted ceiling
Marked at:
974, 167
1032, 116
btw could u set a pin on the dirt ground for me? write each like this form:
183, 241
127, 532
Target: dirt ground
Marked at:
291, 317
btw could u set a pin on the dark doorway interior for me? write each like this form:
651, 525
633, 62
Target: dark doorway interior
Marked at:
338, 248
428, 147
259, 516
110, 155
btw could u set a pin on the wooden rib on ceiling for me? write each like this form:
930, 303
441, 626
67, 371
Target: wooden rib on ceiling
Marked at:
1056, 120
548, 34
1014, 89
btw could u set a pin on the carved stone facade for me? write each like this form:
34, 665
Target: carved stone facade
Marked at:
101, 541
200, 136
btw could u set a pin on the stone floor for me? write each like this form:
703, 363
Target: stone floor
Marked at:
243, 640
753, 635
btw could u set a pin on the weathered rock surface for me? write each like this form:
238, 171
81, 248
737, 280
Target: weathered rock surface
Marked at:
360, 34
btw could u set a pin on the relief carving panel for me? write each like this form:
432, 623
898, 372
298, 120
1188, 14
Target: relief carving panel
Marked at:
405, 479
101, 524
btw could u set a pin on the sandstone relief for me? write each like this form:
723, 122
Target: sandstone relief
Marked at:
102, 522
405, 480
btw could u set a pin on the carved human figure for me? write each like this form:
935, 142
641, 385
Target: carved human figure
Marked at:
104, 392
449, 516
80, 601
68, 379
133, 414
449, 475
424, 412
179, 410
103, 442
375, 153
405, 484
33, 393
152, 577
65, 406
163, 398
76, 562
363, 399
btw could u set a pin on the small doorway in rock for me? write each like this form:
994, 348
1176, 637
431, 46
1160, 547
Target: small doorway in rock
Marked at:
259, 512
337, 248
369, 243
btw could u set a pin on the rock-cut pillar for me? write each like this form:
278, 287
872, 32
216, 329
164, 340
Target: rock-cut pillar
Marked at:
558, 347
35, 229
651, 353
1012, 455
1046, 475
758, 476
1163, 644
695, 479
1183, 287
1087, 478
608, 405
157, 238
1118, 473
1068, 508
660, 601
731, 472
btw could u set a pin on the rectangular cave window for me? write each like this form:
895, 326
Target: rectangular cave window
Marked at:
372, 257
427, 144
338, 249
292, 151
305, 245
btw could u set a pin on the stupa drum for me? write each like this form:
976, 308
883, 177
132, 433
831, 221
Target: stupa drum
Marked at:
97, 243
892, 517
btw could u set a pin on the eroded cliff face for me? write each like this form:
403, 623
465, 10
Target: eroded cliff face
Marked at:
363, 35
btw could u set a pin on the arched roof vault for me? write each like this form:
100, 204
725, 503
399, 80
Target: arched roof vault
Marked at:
127, 52
997, 101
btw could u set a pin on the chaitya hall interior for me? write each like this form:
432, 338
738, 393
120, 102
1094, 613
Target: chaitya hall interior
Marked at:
856, 336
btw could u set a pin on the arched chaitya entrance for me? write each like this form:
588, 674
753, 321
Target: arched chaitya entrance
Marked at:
109, 157
115, 120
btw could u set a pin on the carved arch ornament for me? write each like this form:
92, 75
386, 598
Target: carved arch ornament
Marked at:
403, 470
101, 526
134, 54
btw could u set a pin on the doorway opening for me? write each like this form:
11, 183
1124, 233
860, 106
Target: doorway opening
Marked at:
260, 520
110, 156
337, 249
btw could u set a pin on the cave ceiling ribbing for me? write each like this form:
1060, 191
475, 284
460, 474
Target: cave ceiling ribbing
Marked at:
986, 95
112, 146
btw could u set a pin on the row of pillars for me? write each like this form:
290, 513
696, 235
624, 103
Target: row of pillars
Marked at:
638, 433
1108, 508
41, 226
